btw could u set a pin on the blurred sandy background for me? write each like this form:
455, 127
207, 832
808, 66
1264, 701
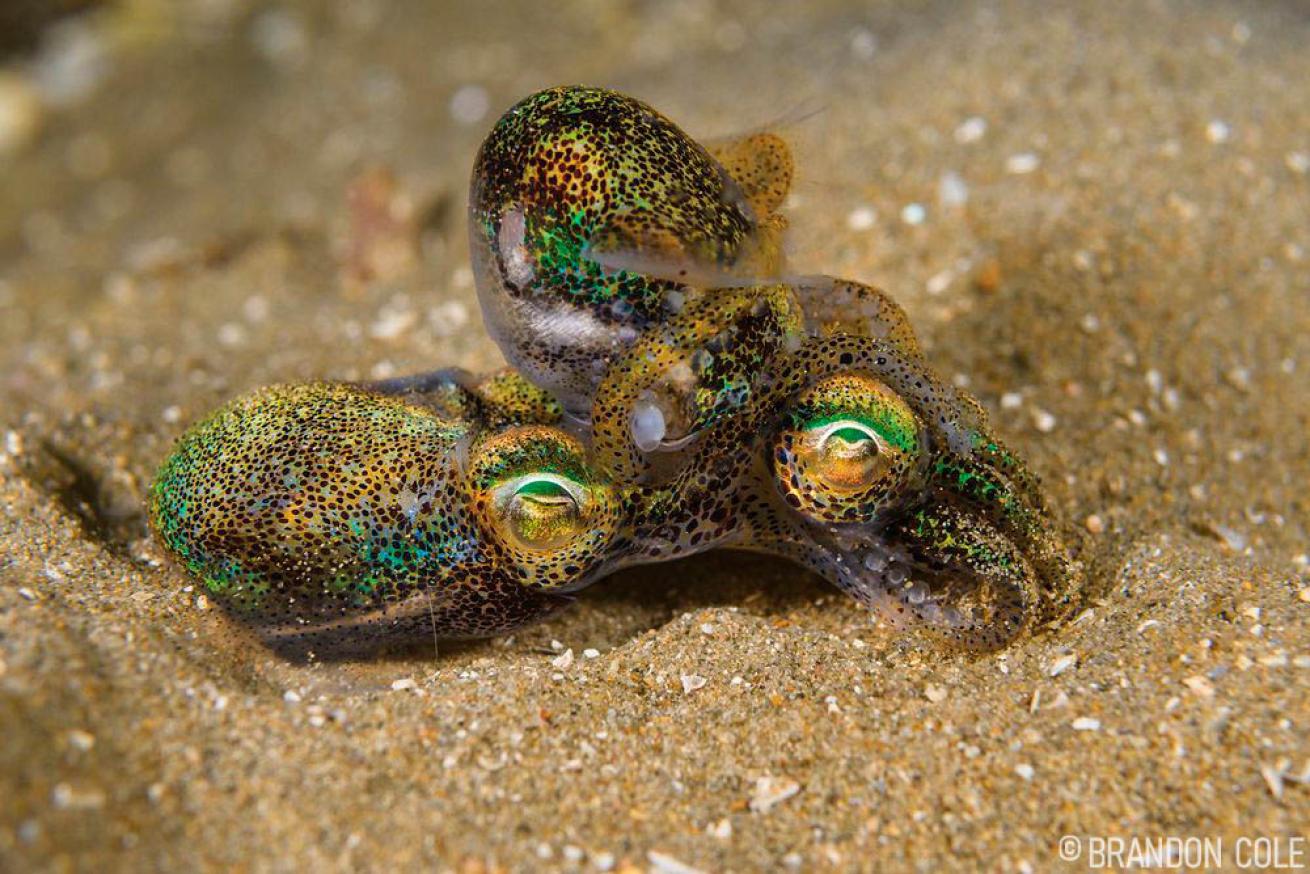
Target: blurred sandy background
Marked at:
1096, 216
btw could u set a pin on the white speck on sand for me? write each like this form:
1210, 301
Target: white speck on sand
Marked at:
952, 190
971, 130
1043, 421
772, 791
1022, 163
1200, 686
861, 218
662, 863
939, 282
1060, 665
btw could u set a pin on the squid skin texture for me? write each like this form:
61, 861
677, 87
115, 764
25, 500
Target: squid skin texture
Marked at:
634, 280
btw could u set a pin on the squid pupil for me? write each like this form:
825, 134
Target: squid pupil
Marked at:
543, 491
850, 435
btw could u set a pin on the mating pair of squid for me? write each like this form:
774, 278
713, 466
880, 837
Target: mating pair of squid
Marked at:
672, 390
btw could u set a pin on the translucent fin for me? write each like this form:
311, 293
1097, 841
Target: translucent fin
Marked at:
676, 267
633, 243
449, 392
843, 306
762, 165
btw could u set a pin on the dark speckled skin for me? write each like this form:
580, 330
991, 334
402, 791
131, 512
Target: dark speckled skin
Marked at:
336, 511
570, 184
674, 393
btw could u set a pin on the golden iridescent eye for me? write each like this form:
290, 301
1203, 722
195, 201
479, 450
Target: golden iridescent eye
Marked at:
850, 447
844, 455
542, 505
542, 510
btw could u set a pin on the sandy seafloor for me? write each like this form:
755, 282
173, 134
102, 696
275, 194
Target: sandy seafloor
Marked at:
1112, 249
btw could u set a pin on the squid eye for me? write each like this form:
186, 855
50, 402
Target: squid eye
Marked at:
537, 500
850, 448
845, 455
542, 511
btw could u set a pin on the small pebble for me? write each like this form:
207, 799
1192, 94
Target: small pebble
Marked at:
952, 191
971, 130
772, 791
1200, 686
1273, 779
1094, 523
564, 661
935, 694
402, 684
231, 334
1022, 163
66, 797
914, 214
1060, 665
1217, 131
939, 282
82, 741
392, 323
1025, 771
864, 43
692, 682
662, 863
1043, 421
1086, 723
590, 653
861, 219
